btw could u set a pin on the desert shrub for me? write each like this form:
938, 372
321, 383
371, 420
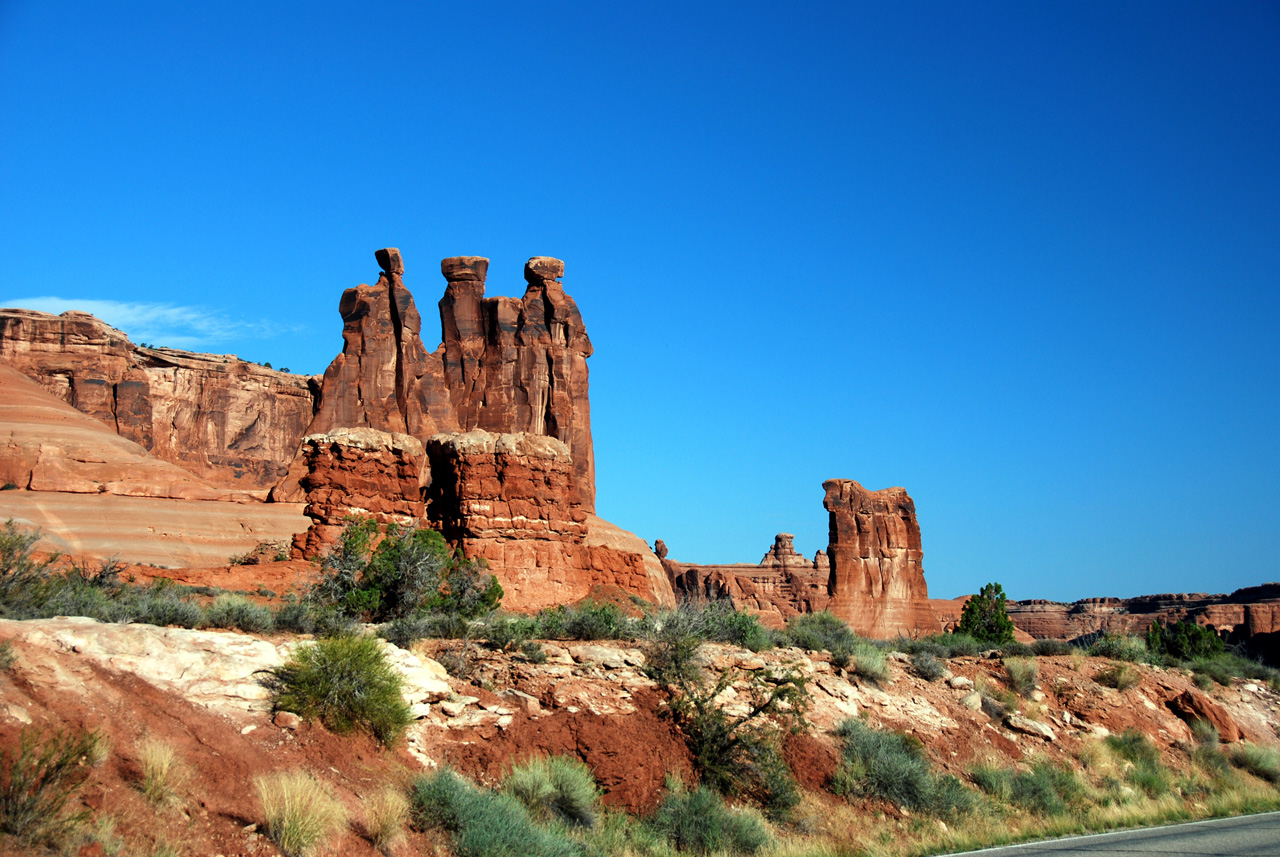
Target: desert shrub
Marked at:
559, 788
698, 822
481, 823
7, 656
159, 772
345, 681
1119, 675
1049, 647
411, 571
300, 814
592, 621
928, 667
817, 632
458, 660
985, 616
1205, 733
406, 631
724, 624
734, 754
19, 570
958, 644
533, 652
1183, 640
236, 611
1023, 673
994, 781
1216, 669
1263, 762
1045, 788
863, 658
39, 779
1119, 648
1017, 650
887, 765
508, 632
924, 646
1146, 772
385, 814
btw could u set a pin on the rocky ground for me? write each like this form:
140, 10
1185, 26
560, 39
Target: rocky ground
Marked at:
198, 691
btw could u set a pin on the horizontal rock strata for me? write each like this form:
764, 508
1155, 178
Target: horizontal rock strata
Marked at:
229, 422
507, 499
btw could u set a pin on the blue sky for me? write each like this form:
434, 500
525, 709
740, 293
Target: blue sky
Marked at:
1022, 259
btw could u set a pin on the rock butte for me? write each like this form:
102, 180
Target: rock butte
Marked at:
487, 438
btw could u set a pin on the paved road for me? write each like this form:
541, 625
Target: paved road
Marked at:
1247, 836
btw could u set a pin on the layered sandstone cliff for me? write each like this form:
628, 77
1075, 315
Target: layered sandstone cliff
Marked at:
232, 423
877, 577
782, 585
505, 365
508, 499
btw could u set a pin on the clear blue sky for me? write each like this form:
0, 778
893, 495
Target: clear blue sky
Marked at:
1020, 258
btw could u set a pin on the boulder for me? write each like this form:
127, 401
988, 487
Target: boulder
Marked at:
1190, 706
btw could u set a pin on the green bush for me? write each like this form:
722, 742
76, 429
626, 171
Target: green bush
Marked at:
37, 782
1183, 640
1147, 773
482, 823
508, 632
733, 754
887, 765
1023, 673
410, 572
1045, 788
1049, 647
724, 624
1263, 762
985, 616
559, 788
406, 631
698, 822
928, 667
817, 632
1119, 648
594, 622
994, 781
236, 611
347, 683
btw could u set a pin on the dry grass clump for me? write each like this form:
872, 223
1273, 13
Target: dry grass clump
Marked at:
1120, 675
385, 815
301, 815
160, 772
1023, 674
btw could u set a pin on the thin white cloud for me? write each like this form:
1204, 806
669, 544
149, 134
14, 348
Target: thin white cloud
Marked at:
157, 324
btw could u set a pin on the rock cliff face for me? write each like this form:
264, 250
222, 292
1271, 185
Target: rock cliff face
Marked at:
507, 498
877, 578
47, 445
1245, 612
232, 423
783, 585
506, 365
353, 471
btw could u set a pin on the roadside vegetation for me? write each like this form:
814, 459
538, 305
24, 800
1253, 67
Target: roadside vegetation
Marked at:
890, 794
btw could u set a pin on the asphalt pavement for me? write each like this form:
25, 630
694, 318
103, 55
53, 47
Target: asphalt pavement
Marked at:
1244, 836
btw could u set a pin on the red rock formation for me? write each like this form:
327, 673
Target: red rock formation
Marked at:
1190, 706
354, 471
783, 585
520, 365
48, 446
384, 378
233, 423
877, 580
506, 364
1247, 612
507, 498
